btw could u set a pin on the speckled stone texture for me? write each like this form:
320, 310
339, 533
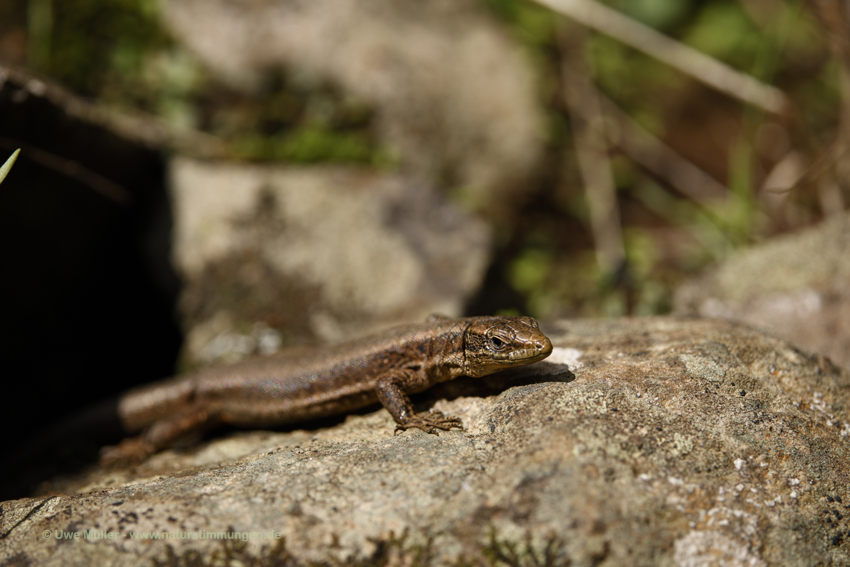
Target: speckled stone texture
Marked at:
638, 442
795, 285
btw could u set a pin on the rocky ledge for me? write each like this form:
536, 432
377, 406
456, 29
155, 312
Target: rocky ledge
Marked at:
638, 442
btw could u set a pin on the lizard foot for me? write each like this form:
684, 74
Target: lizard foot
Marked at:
130, 451
429, 422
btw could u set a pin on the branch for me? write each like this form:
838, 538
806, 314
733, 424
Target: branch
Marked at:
595, 166
659, 158
72, 169
678, 55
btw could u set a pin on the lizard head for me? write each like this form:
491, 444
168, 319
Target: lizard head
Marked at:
496, 343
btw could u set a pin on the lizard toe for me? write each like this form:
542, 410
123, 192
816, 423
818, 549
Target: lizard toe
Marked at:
430, 423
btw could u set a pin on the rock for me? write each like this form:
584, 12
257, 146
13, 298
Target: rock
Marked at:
453, 95
797, 286
638, 442
314, 252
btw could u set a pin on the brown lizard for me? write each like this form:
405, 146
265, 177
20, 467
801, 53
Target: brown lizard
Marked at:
294, 387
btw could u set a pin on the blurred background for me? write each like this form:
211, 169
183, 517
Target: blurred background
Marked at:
205, 179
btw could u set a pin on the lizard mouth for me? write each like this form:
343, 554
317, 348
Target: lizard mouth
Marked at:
538, 350
533, 349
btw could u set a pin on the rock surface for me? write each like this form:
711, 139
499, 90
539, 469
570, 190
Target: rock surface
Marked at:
313, 252
796, 286
453, 95
638, 442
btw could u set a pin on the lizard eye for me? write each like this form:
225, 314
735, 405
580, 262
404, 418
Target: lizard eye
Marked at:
498, 339
498, 343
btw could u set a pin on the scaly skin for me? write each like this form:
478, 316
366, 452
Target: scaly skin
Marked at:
297, 386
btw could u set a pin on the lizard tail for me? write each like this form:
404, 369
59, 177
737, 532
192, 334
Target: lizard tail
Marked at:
63, 445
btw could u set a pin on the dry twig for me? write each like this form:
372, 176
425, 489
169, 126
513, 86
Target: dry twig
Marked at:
678, 55
592, 154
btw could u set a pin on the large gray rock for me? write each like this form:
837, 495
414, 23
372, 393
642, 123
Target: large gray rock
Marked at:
796, 286
454, 97
638, 442
314, 253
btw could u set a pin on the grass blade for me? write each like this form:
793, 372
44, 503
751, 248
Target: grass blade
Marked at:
4, 171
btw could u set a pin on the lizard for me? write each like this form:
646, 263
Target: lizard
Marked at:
295, 387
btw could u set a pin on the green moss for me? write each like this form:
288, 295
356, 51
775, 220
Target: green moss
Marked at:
119, 35
389, 550
658, 14
310, 144
738, 44
529, 270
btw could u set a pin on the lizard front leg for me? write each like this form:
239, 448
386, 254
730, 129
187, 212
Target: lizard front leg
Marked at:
391, 394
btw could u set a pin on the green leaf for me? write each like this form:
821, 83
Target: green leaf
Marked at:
4, 171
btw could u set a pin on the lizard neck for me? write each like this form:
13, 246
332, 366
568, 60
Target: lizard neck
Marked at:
446, 359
